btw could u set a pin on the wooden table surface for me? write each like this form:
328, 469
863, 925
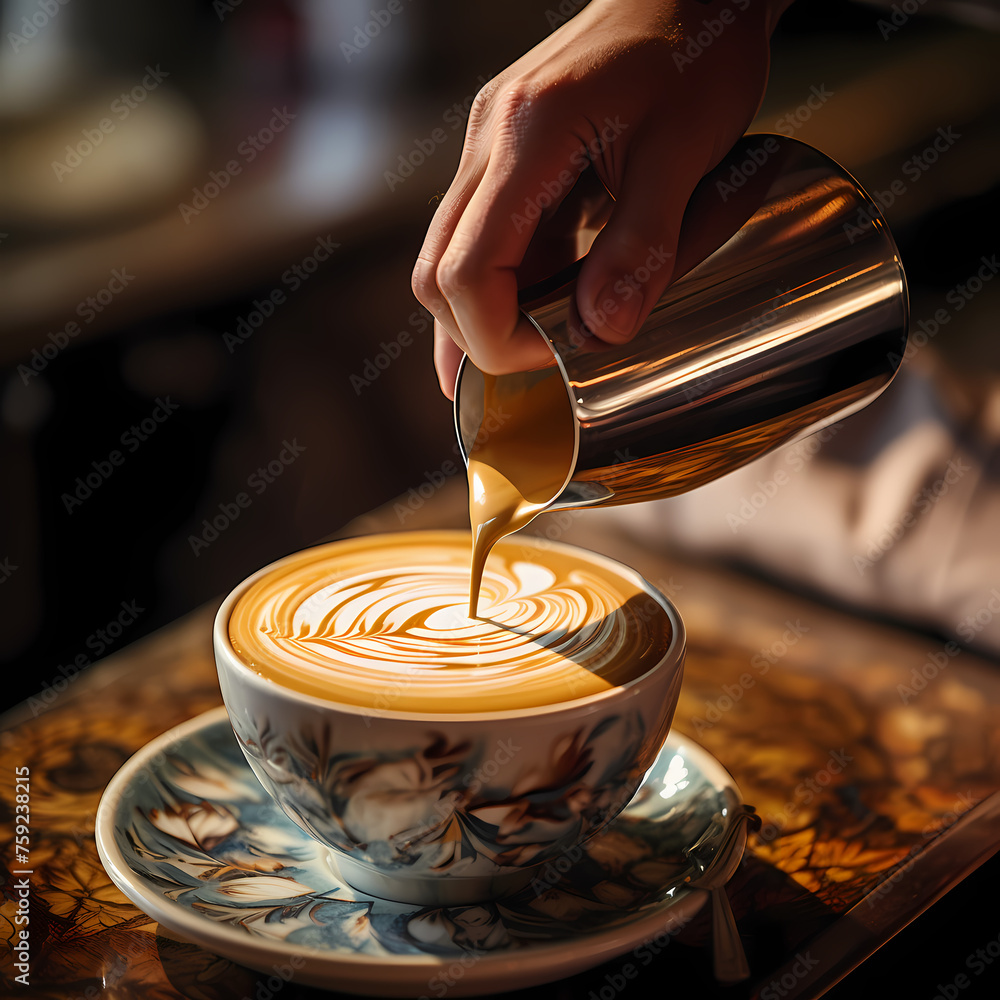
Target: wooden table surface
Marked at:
871, 754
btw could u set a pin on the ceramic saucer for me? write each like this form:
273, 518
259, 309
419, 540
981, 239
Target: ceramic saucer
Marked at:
189, 835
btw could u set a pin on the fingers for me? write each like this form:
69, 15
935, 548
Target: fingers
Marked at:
526, 175
476, 150
632, 259
424, 278
467, 271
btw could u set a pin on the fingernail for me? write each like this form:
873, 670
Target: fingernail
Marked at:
618, 309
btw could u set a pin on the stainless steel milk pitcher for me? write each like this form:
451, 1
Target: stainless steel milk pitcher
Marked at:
791, 313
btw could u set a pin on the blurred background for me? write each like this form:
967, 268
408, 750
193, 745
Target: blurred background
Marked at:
209, 352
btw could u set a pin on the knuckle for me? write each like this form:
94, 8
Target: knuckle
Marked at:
500, 101
422, 284
425, 288
522, 107
483, 101
481, 104
513, 97
454, 276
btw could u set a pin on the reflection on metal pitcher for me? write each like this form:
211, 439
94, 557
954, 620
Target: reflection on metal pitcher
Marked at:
790, 313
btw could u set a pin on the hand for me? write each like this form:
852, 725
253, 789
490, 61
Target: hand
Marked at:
648, 95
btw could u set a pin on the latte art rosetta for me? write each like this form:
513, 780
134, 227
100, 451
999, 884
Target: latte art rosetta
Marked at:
383, 624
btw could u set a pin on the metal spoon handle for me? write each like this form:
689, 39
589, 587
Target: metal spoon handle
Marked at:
728, 958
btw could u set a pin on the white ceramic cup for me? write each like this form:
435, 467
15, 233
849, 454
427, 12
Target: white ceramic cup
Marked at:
451, 808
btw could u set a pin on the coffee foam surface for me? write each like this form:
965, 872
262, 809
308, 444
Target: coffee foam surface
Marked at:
382, 623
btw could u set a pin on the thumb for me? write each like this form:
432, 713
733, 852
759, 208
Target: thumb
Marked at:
633, 258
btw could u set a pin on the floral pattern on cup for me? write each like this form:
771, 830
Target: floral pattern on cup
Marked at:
447, 806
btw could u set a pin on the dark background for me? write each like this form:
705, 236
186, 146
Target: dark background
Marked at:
67, 573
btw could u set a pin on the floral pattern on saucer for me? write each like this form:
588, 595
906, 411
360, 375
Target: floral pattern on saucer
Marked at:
195, 830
